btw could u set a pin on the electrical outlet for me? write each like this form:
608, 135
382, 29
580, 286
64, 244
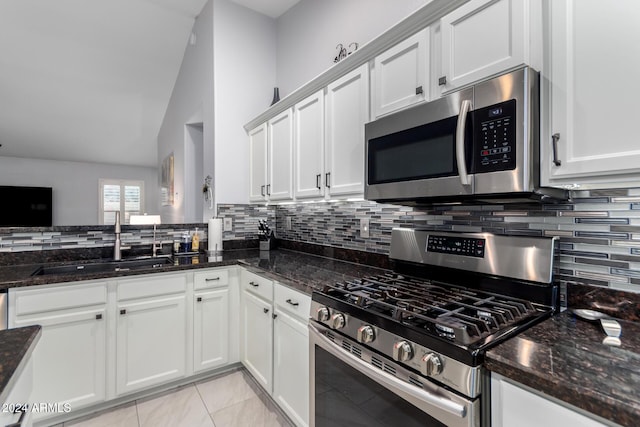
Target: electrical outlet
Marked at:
228, 224
287, 223
364, 227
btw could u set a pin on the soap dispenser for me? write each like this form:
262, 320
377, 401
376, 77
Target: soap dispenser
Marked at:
195, 241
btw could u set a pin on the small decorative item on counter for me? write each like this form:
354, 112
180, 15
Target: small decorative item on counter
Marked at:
176, 246
185, 242
195, 241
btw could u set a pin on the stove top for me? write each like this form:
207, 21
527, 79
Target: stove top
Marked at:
457, 314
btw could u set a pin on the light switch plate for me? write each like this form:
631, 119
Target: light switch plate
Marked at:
227, 224
364, 227
287, 223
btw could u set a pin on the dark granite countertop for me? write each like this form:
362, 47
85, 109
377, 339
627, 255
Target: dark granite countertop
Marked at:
299, 270
16, 345
564, 357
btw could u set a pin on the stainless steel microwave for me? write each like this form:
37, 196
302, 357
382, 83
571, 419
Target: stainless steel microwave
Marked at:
480, 143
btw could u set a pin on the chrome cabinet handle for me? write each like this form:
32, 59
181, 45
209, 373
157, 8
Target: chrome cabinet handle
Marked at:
212, 279
262, 190
268, 189
123, 311
442, 81
293, 303
199, 299
318, 181
326, 179
460, 148
254, 284
554, 141
273, 316
98, 316
266, 310
419, 90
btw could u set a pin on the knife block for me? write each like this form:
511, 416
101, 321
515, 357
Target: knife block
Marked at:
267, 243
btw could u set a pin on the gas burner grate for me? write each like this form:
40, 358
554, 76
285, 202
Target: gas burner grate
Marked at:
457, 314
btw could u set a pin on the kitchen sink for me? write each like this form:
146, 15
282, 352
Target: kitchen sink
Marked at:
105, 266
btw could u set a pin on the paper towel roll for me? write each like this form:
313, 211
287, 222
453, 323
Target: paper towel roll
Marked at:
215, 235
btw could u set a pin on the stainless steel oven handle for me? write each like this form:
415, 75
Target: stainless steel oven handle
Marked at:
460, 148
387, 380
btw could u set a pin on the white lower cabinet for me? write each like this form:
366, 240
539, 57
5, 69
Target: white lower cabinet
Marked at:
69, 361
20, 394
104, 339
512, 405
210, 329
275, 343
151, 340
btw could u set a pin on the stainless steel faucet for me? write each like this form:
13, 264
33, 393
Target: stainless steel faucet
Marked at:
117, 246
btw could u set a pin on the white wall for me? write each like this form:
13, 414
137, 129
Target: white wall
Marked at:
75, 185
310, 31
191, 102
245, 75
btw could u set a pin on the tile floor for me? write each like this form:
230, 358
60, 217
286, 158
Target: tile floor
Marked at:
230, 400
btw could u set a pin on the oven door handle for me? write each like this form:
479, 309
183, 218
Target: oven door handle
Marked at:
392, 383
460, 146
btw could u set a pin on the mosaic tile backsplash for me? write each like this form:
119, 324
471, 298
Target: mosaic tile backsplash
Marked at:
599, 232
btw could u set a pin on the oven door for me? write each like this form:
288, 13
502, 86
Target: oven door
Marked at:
424, 151
351, 386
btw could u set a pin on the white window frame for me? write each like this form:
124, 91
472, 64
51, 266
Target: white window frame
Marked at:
122, 183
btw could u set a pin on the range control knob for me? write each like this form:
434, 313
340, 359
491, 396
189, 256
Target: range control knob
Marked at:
402, 351
431, 364
337, 321
322, 314
366, 334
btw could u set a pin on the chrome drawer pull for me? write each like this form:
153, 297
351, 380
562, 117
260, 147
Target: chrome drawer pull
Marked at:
212, 280
254, 284
293, 303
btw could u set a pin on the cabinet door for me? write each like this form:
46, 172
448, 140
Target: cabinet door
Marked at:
483, 38
69, 361
347, 112
291, 367
515, 406
592, 112
211, 329
151, 342
401, 76
258, 163
257, 338
309, 146
280, 185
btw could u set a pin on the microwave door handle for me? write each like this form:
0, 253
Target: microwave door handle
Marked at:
460, 146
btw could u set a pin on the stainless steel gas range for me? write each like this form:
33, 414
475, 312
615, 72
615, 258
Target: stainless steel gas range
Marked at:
406, 348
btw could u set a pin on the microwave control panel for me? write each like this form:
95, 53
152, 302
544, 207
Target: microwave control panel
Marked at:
494, 134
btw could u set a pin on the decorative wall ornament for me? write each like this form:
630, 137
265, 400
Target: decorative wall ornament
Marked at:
342, 51
166, 182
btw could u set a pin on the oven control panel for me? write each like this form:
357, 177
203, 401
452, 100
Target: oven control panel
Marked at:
456, 245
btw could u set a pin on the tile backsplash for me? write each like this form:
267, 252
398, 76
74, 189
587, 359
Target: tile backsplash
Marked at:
599, 232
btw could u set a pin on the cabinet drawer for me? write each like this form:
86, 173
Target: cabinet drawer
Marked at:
296, 303
211, 279
64, 297
257, 285
150, 286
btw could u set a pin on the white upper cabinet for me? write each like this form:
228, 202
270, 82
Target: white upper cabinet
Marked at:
483, 38
258, 163
347, 112
309, 146
280, 164
401, 75
592, 113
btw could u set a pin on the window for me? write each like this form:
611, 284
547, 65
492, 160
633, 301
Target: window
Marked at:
126, 197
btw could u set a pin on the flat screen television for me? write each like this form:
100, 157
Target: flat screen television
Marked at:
26, 206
